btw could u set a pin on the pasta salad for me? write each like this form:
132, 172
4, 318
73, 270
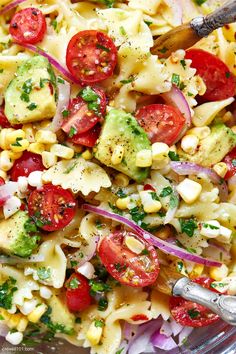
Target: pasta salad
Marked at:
117, 172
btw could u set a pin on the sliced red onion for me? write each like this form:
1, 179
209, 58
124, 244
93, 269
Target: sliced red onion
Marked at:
3, 330
184, 334
217, 252
11, 6
7, 190
176, 327
176, 7
52, 60
62, 104
129, 330
171, 211
189, 168
166, 329
163, 342
155, 241
86, 269
88, 251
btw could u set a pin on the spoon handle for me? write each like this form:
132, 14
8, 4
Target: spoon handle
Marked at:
223, 305
226, 14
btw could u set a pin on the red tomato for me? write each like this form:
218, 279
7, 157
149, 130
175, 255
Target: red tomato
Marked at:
4, 123
91, 56
188, 313
216, 75
129, 268
161, 122
53, 207
28, 26
230, 161
78, 296
88, 138
148, 187
26, 164
2, 181
81, 118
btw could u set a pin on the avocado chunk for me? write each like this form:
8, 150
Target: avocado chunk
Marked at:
30, 96
121, 128
58, 318
213, 148
15, 239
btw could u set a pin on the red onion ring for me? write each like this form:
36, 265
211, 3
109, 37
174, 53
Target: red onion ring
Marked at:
10, 6
155, 241
189, 168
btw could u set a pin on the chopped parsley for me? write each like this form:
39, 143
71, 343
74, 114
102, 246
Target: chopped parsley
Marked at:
137, 214
145, 252
17, 143
72, 132
121, 194
54, 24
92, 98
7, 290
128, 81
78, 320
105, 49
122, 31
54, 327
24, 97
227, 74
98, 287
65, 113
149, 23
42, 82
73, 263
174, 201
102, 304
212, 227
30, 226
115, 209
200, 2
70, 168
120, 351
44, 273
175, 79
1, 71
188, 226
99, 323
1, 318
154, 196
74, 283
60, 80
32, 106
179, 266
166, 191
193, 313
173, 156
120, 267
98, 224
190, 94
27, 86
183, 63
220, 285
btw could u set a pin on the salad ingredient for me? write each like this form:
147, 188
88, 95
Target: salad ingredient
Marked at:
16, 238
7, 290
28, 26
161, 122
52, 207
91, 56
4, 123
88, 138
189, 313
154, 240
230, 161
189, 190
213, 148
10, 6
214, 72
121, 128
129, 265
78, 296
26, 164
30, 96
62, 104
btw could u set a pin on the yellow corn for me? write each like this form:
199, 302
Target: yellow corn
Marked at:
37, 313
44, 124
94, 334
45, 137
87, 155
20, 145
219, 273
220, 168
4, 143
144, 158
200, 132
49, 159
23, 323
36, 148
117, 155
122, 203
122, 180
5, 161
62, 151
14, 135
29, 132
14, 320
15, 155
197, 271
159, 151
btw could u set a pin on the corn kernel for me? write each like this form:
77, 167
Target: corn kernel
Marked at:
159, 151
189, 143
29, 132
3, 175
117, 155
200, 132
14, 135
210, 229
144, 158
150, 205
15, 155
87, 155
14, 320
225, 235
189, 190
159, 165
94, 334
20, 145
219, 273
4, 143
122, 180
21, 327
197, 271
122, 203
36, 148
45, 137
62, 151
220, 168
37, 313
5, 161
49, 159
134, 245
44, 124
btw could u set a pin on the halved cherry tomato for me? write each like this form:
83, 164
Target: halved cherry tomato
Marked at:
88, 138
2, 200
2, 182
126, 266
161, 122
148, 187
28, 26
230, 161
4, 123
81, 118
91, 56
52, 206
189, 313
78, 296
26, 164
216, 75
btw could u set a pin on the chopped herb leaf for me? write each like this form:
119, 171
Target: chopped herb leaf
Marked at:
149, 23
154, 196
121, 194
98, 287
180, 266
200, 2
88, 94
72, 132
227, 74
190, 94
54, 24
42, 82
44, 273
182, 86
78, 320
70, 168
98, 224
128, 81
30, 226
220, 285
73, 263
24, 97
166, 191
102, 304
122, 31
137, 214
54, 327
120, 267
17, 143
145, 252
175, 79
32, 106
74, 283
1, 71
115, 209
65, 113
99, 46
212, 227
183, 63
191, 250
99, 323
193, 313
27, 86
188, 226
7, 290
60, 80
174, 201
173, 156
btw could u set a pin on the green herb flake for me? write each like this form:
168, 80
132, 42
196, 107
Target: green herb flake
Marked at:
175, 79
128, 81
105, 49
54, 24
174, 201
99, 323
145, 252
1, 318
1, 71
98, 224
137, 214
54, 327
60, 80
121, 194
166, 191
42, 82
44, 273
182, 86
119, 267
27, 86
78, 320
98, 287
122, 31
17, 143
65, 113
200, 2
7, 290
102, 304
149, 23
193, 313
115, 209
188, 226
72, 132
24, 97
74, 283
179, 266
32, 106
70, 168
154, 195
220, 285
183, 63
120, 351
30, 226
209, 226
173, 156
88, 94
227, 74
190, 94
73, 263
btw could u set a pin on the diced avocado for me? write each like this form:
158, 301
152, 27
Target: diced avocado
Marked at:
121, 128
213, 148
15, 238
31, 95
58, 318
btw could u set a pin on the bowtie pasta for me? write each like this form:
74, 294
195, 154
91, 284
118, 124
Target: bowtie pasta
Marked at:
117, 172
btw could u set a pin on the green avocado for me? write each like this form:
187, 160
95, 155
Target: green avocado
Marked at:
213, 148
121, 128
15, 239
31, 95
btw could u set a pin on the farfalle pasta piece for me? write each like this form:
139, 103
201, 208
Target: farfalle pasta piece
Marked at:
78, 175
160, 305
